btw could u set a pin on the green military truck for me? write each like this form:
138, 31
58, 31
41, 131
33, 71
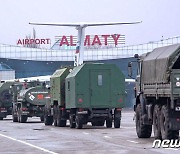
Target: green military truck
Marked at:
55, 105
29, 99
5, 100
158, 93
88, 93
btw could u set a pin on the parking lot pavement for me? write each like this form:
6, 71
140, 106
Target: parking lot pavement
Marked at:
34, 137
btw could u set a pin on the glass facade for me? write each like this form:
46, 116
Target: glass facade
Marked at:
65, 54
28, 62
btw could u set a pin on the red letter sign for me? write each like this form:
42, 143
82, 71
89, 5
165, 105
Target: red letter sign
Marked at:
96, 40
64, 41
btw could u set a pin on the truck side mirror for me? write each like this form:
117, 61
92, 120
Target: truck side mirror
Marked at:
130, 69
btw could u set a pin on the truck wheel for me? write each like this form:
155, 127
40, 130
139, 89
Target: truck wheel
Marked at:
1, 118
48, 120
109, 122
21, 118
60, 122
79, 121
15, 119
143, 131
164, 124
117, 119
117, 122
156, 122
72, 121
18, 114
42, 118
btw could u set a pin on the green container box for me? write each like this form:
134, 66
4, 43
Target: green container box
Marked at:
57, 83
5, 96
95, 86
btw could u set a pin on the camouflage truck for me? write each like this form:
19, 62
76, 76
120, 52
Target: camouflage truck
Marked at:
158, 93
5, 100
29, 99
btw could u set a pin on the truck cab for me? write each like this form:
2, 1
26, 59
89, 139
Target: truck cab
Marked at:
157, 93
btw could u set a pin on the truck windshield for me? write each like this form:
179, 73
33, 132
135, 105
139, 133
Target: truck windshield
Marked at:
177, 64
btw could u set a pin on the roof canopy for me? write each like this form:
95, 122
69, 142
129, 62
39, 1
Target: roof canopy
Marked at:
157, 64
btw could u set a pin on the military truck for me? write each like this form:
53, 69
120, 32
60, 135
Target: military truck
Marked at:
29, 99
56, 103
5, 99
87, 93
158, 93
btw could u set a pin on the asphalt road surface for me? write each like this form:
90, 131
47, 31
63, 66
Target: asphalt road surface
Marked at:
34, 137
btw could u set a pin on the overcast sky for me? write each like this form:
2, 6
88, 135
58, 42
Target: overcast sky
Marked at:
159, 18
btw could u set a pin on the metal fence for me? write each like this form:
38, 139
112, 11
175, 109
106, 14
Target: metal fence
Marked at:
16, 52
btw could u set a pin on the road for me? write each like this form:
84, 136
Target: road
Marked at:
34, 137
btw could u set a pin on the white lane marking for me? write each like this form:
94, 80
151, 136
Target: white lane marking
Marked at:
31, 145
107, 136
128, 127
132, 141
85, 133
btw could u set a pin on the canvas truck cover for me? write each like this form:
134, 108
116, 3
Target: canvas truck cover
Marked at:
157, 65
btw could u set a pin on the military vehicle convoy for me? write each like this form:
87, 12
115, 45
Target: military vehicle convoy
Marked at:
87, 93
29, 99
158, 93
5, 100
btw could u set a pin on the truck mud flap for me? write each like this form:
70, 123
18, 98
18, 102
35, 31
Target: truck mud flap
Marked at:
100, 113
174, 124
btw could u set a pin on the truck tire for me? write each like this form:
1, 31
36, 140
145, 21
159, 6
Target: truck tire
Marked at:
109, 122
156, 122
143, 131
21, 118
72, 121
117, 119
117, 123
60, 122
1, 118
79, 121
164, 121
42, 118
48, 120
14, 118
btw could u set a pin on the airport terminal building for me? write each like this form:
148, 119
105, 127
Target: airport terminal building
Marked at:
28, 62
